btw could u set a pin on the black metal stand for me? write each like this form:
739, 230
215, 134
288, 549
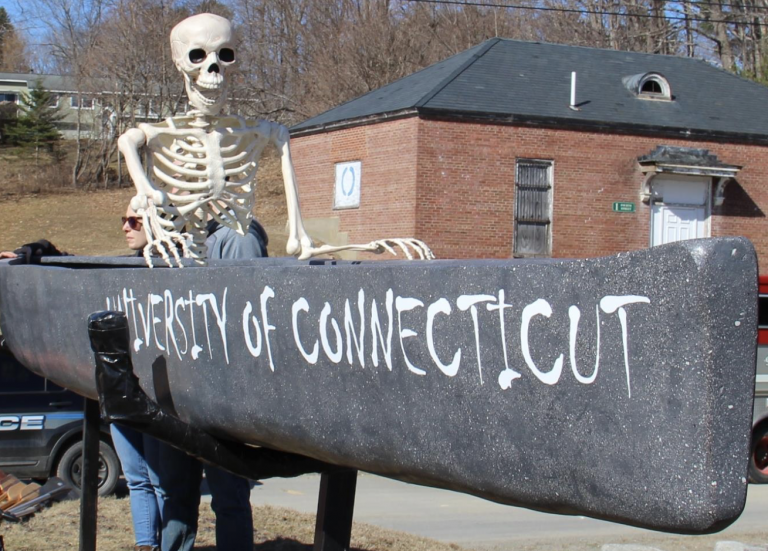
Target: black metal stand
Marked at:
89, 484
335, 507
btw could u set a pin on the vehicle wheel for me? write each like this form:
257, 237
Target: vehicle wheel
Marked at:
758, 458
70, 468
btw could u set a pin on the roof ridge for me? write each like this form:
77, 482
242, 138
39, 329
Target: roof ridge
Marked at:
597, 48
455, 74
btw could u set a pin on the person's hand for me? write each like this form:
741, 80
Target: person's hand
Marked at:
31, 252
8, 254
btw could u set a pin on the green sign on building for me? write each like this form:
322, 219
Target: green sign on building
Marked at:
623, 207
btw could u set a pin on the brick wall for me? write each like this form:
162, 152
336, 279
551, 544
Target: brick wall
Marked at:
388, 189
458, 193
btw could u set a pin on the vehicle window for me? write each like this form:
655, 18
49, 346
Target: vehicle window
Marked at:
762, 311
16, 378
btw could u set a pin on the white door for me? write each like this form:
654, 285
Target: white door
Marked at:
680, 208
677, 223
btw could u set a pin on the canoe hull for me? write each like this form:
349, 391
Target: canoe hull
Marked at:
619, 388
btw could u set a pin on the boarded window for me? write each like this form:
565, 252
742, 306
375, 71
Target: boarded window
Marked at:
533, 208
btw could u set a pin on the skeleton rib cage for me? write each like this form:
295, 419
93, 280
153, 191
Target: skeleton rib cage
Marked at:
207, 170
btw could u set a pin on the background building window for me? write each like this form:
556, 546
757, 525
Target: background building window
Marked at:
86, 102
7, 96
533, 208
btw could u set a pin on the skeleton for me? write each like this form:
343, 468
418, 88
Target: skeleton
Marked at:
202, 165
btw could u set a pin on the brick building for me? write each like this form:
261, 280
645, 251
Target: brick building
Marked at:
491, 154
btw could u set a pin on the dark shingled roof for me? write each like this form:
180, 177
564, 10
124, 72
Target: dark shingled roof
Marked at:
529, 83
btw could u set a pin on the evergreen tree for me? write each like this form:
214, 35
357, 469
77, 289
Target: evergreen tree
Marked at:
6, 30
36, 125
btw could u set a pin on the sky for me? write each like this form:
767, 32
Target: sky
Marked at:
21, 20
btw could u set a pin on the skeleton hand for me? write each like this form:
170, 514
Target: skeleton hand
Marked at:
404, 244
160, 239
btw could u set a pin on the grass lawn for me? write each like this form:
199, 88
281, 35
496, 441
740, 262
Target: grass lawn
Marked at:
275, 529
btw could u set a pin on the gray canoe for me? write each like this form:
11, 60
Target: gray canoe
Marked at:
618, 387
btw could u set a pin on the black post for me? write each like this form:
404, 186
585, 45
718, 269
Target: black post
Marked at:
335, 507
89, 483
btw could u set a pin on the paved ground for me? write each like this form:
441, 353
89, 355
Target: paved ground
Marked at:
479, 524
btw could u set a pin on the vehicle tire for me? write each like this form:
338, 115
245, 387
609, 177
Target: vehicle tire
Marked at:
758, 457
70, 468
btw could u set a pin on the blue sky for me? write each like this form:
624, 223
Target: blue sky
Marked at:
12, 8
21, 21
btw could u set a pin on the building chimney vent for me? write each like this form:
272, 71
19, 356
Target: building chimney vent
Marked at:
572, 104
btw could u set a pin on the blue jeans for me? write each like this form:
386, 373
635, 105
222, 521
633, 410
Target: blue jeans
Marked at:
180, 477
138, 455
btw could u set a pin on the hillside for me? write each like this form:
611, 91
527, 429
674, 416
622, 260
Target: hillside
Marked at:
88, 223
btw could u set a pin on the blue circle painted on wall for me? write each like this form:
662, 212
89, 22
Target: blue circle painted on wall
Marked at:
348, 181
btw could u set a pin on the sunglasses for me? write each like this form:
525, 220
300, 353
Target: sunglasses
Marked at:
134, 222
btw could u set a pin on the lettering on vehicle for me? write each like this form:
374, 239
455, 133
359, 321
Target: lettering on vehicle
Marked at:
370, 327
22, 422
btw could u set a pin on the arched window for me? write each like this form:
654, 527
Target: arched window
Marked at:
654, 86
649, 86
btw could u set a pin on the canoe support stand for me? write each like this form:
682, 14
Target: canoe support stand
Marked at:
335, 507
121, 399
89, 483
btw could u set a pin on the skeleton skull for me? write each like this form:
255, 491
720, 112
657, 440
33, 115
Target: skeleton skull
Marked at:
202, 50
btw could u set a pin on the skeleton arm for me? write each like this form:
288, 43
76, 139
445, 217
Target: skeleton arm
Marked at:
130, 143
299, 243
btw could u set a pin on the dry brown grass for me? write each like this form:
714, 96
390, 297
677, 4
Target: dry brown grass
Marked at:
276, 529
88, 223
22, 171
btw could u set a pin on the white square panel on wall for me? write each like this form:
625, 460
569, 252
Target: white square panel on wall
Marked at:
347, 191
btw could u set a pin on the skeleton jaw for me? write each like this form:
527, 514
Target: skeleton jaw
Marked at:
207, 95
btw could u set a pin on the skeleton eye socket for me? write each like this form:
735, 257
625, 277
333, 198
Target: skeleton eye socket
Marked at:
227, 55
197, 55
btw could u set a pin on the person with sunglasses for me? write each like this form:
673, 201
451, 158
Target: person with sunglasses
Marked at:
174, 475
139, 453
